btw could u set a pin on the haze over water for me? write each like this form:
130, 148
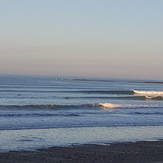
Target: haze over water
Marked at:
110, 39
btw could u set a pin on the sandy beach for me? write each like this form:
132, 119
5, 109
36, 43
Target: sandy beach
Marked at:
138, 152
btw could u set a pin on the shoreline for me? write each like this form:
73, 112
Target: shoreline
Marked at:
21, 140
135, 152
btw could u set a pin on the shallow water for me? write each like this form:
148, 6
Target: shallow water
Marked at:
32, 139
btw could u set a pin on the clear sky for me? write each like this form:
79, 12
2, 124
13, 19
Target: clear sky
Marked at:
95, 38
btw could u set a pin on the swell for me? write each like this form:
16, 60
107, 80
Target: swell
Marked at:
82, 106
102, 106
37, 115
129, 92
3, 107
115, 92
120, 97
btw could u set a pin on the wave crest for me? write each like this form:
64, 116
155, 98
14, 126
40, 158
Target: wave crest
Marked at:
148, 92
109, 105
154, 98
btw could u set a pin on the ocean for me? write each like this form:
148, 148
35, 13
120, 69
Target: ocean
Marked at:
44, 111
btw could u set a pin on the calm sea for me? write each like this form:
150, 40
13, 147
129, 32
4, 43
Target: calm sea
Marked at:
37, 111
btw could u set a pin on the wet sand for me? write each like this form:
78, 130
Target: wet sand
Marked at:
138, 152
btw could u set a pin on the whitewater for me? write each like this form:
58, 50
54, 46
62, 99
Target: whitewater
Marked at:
39, 111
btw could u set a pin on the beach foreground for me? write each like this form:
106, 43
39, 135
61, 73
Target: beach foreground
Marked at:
137, 152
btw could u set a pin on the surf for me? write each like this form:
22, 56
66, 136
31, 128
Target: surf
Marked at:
109, 105
148, 92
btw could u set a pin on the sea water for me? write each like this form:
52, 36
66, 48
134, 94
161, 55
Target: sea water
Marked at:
38, 111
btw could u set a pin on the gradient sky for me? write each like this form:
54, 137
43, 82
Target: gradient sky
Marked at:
95, 38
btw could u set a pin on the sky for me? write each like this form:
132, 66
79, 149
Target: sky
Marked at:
91, 38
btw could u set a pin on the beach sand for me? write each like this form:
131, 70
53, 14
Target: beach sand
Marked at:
137, 152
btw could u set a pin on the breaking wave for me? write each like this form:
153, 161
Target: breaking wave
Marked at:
148, 92
136, 97
142, 97
126, 106
154, 98
109, 105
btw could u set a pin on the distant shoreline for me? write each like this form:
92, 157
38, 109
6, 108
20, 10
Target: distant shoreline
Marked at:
135, 152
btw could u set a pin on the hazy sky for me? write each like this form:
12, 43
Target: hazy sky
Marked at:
96, 38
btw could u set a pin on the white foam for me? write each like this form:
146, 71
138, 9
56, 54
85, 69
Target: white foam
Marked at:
109, 105
154, 97
148, 92
113, 106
